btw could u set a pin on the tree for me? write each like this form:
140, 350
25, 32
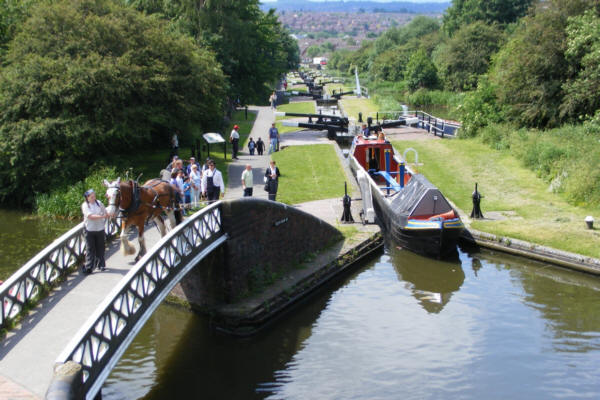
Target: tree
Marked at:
252, 46
530, 69
89, 78
12, 15
467, 55
583, 57
502, 12
420, 71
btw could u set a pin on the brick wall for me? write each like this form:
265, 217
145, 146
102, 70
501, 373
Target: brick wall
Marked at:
266, 239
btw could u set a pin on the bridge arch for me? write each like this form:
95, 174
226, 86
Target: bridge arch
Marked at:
105, 336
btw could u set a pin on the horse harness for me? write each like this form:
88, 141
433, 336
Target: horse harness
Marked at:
136, 198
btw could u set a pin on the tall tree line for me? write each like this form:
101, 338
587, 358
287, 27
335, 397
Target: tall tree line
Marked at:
532, 63
81, 79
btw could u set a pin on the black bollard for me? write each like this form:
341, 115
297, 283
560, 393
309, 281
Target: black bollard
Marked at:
347, 201
476, 212
360, 117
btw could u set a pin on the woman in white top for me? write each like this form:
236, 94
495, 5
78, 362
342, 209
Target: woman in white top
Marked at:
94, 217
196, 182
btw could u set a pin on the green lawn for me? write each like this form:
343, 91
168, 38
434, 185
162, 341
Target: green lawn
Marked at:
304, 107
311, 172
531, 212
353, 106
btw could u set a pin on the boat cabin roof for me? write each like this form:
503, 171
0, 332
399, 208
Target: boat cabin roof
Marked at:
371, 141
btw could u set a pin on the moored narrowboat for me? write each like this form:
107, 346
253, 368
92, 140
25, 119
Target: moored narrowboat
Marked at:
411, 209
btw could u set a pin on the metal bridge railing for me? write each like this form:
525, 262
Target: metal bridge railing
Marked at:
105, 336
43, 272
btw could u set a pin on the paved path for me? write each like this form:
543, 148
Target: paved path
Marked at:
262, 123
28, 353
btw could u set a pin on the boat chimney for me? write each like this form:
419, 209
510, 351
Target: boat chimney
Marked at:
401, 170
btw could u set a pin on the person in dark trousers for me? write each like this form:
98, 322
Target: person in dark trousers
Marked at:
272, 180
94, 217
212, 183
260, 146
234, 138
251, 146
247, 181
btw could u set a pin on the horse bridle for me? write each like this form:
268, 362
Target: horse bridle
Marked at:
117, 200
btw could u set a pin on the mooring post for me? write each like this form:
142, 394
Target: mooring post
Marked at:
476, 212
347, 202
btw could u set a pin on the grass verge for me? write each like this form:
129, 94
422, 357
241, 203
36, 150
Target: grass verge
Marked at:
311, 172
304, 107
353, 106
523, 206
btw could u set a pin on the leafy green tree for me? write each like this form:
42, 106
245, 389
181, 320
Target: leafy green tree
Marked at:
467, 55
465, 12
252, 46
314, 51
389, 66
88, 78
583, 57
530, 69
420, 71
480, 108
12, 15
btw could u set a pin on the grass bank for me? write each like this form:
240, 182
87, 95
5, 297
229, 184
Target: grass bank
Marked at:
354, 105
519, 201
307, 173
304, 107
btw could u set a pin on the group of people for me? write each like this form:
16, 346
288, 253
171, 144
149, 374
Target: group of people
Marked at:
365, 131
271, 179
258, 146
194, 182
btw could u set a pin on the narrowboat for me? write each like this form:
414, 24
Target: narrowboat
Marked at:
412, 210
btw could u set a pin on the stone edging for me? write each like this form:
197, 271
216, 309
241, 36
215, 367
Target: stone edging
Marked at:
254, 320
530, 250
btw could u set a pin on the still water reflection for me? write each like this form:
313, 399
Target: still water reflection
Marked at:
486, 326
22, 236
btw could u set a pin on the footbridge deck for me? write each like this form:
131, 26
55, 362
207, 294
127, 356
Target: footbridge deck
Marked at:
92, 318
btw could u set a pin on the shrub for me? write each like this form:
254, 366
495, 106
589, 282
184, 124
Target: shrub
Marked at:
66, 200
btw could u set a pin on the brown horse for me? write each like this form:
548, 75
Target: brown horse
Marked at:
136, 205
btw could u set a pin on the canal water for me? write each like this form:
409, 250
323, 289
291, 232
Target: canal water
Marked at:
486, 325
23, 235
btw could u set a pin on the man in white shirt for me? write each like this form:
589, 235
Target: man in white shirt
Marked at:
247, 181
234, 138
212, 183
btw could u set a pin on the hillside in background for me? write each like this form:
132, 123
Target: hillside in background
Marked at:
356, 6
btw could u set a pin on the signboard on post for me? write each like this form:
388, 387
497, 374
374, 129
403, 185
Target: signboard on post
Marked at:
214, 138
